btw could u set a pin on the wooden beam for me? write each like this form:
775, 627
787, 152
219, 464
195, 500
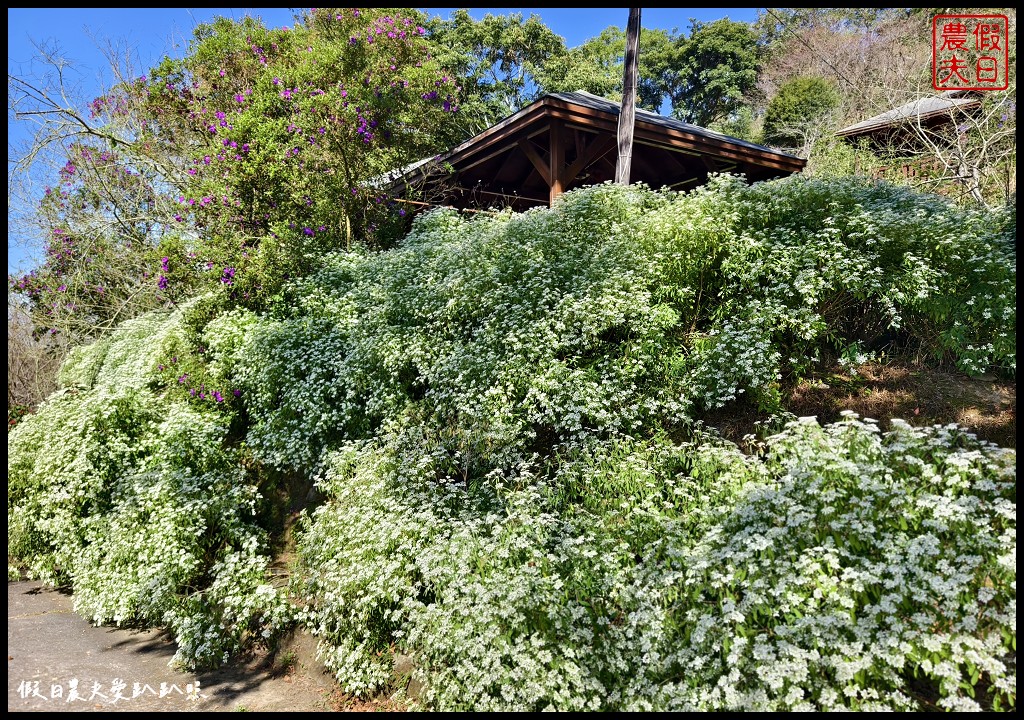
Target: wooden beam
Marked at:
510, 159
502, 148
688, 181
627, 110
579, 141
586, 120
595, 150
678, 138
538, 162
557, 155
668, 156
507, 196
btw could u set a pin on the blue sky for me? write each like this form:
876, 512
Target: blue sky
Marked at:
149, 34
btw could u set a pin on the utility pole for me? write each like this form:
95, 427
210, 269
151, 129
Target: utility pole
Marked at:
627, 112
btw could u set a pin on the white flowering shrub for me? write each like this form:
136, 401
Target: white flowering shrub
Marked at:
504, 416
131, 498
848, 262
844, 570
508, 506
864, 569
619, 309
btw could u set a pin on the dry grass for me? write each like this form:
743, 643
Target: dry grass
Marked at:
341, 702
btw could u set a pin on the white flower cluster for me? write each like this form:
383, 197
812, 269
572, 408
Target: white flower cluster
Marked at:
504, 415
821, 578
132, 499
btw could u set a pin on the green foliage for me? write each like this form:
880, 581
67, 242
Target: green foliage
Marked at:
718, 63
499, 59
503, 415
797, 105
740, 124
596, 67
704, 76
16, 412
832, 157
132, 499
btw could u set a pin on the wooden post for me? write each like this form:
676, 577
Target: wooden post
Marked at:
627, 112
556, 161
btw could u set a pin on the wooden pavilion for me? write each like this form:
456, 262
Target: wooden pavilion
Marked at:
567, 140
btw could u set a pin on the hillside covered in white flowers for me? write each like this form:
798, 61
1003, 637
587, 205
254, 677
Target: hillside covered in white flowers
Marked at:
503, 423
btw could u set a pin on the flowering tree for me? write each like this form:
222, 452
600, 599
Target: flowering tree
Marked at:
235, 165
283, 133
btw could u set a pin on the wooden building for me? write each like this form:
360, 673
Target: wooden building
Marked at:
567, 140
903, 126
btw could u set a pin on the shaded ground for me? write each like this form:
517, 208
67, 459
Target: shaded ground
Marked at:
57, 661
921, 396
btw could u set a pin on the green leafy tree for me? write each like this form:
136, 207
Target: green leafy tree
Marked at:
596, 66
799, 107
498, 60
717, 66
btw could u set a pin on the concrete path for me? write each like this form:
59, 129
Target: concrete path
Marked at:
58, 661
